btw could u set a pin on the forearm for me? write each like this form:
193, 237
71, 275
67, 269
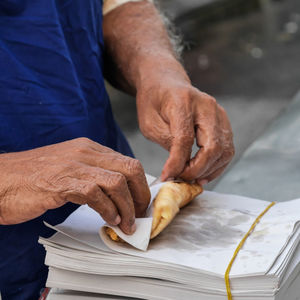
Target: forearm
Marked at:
137, 43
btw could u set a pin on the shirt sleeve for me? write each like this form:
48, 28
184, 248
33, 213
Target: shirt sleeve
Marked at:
109, 5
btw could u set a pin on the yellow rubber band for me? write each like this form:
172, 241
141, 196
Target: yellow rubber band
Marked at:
238, 248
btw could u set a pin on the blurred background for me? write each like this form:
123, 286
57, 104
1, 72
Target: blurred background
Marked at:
244, 53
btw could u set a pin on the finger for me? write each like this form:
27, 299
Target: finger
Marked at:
138, 187
214, 175
222, 161
181, 125
86, 192
116, 188
209, 152
133, 171
180, 154
227, 142
208, 137
106, 208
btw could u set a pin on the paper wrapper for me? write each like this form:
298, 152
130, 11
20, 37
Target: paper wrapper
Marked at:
140, 239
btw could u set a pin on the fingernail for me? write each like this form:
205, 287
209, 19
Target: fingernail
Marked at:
203, 182
117, 220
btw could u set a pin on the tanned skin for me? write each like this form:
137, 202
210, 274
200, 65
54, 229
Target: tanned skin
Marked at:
171, 112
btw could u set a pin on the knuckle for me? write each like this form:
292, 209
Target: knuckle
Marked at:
83, 140
80, 145
90, 190
185, 95
134, 166
146, 127
210, 99
80, 149
117, 181
56, 201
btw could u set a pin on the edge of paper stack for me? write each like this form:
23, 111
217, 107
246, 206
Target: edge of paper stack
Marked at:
188, 260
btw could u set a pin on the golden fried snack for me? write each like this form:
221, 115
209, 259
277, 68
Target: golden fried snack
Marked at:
171, 197
113, 236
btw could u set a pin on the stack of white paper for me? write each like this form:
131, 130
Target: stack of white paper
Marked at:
188, 260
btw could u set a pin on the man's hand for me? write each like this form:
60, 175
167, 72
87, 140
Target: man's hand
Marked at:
79, 171
174, 114
171, 112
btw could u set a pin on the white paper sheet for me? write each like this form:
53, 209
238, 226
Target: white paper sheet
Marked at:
141, 238
204, 235
84, 224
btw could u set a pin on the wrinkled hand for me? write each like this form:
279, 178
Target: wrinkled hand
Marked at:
173, 114
79, 171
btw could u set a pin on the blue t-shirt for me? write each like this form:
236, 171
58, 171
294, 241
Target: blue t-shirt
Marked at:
51, 90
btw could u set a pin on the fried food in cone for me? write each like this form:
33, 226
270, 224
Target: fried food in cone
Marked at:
113, 236
171, 197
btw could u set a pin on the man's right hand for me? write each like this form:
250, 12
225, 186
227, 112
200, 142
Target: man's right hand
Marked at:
79, 171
